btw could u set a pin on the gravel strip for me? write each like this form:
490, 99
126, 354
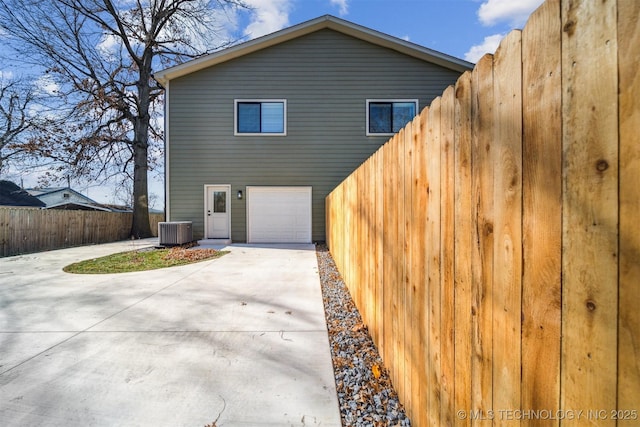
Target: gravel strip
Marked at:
365, 392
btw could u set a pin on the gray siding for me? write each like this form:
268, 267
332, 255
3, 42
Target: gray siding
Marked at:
326, 78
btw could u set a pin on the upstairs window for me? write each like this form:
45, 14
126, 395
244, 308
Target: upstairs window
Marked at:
260, 117
386, 117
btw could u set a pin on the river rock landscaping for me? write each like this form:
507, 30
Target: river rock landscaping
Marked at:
365, 393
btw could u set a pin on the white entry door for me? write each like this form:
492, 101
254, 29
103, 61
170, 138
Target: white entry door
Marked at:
217, 211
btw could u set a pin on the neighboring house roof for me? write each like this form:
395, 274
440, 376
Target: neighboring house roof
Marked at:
37, 192
323, 22
66, 198
118, 208
78, 206
12, 195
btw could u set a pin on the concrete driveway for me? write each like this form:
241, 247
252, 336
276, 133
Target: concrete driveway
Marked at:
241, 340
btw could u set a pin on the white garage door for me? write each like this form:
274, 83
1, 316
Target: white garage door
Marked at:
279, 214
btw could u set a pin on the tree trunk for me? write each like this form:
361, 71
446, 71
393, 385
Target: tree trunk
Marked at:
140, 227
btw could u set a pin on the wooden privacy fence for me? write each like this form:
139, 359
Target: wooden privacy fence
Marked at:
493, 245
26, 230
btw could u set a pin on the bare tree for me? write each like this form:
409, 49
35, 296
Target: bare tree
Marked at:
15, 120
99, 56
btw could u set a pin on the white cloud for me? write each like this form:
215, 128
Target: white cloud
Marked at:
342, 5
406, 38
216, 28
514, 12
489, 45
6, 75
267, 16
108, 46
46, 85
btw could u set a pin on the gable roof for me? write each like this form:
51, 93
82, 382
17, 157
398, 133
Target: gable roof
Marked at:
75, 206
12, 195
82, 202
320, 23
39, 192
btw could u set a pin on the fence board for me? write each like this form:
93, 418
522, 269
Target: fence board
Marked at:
507, 207
28, 230
482, 255
399, 244
418, 268
364, 246
348, 213
629, 324
432, 254
412, 305
396, 289
333, 240
4, 230
389, 237
447, 246
349, 192
590, 208
354, 237
380, 255
463, 243
341, 249
542, 219
508, 216
373, 266
407, 279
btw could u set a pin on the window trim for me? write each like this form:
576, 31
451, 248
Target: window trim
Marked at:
254, 100
386, 100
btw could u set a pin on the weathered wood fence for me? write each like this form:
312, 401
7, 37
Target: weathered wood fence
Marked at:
27, 230
493, 245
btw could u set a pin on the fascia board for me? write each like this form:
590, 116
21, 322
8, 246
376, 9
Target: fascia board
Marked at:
327, 21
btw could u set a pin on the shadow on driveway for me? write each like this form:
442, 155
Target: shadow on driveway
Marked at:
242, 337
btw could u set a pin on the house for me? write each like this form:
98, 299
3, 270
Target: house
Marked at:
12, 194
66, 198
258, 134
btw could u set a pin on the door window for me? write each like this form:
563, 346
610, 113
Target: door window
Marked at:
219, 201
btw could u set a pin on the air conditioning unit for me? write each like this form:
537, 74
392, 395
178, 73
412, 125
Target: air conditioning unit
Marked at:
175, 233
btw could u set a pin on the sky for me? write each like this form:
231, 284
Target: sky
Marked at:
465, 29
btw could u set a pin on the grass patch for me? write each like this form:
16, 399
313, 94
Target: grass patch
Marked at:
142, 260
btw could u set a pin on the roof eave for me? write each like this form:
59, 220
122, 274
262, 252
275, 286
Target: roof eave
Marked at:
400, 45
272, 39
85, 205
326, 21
